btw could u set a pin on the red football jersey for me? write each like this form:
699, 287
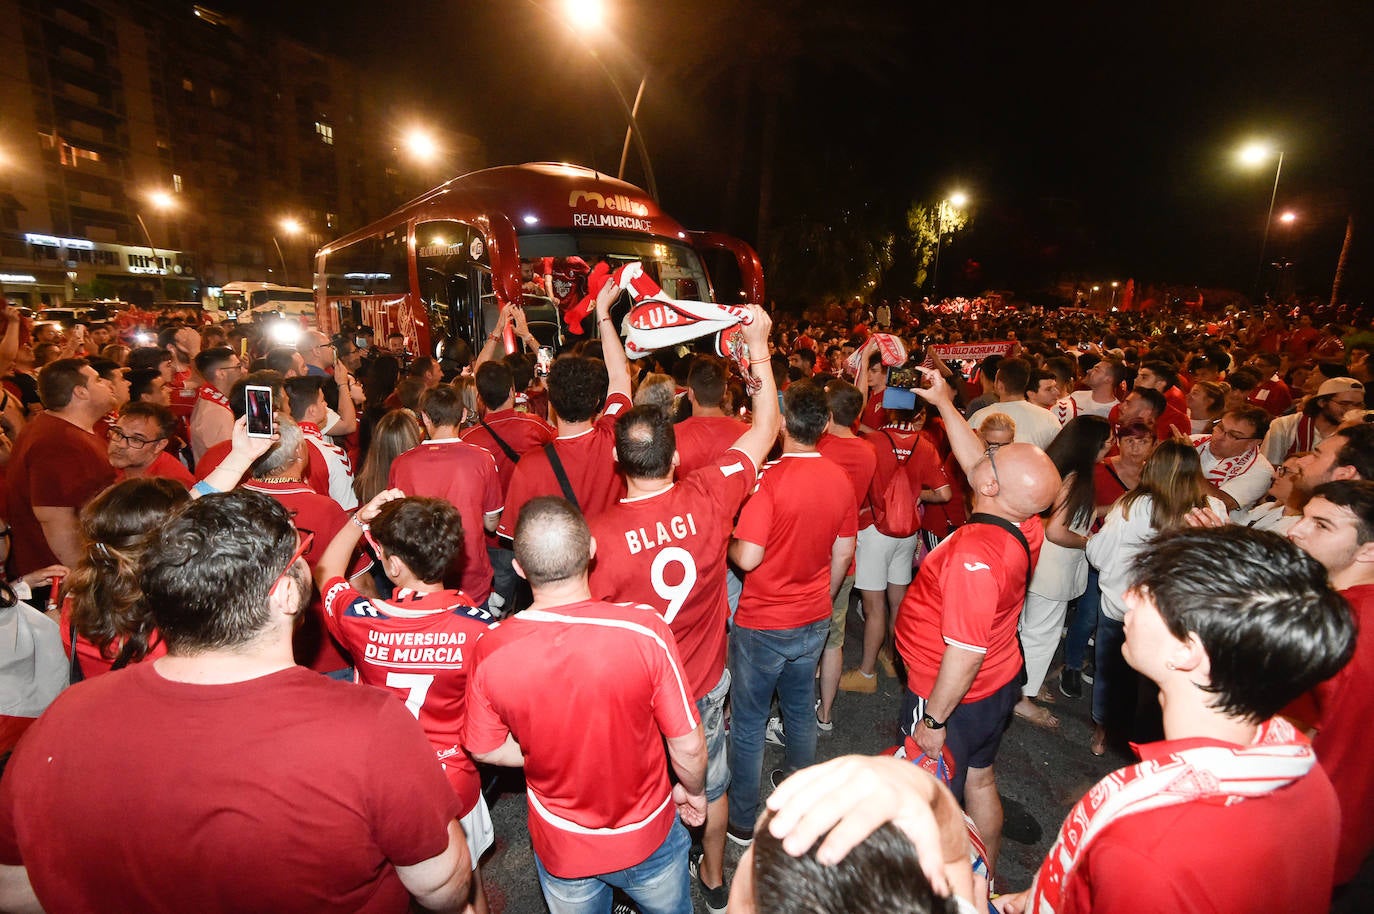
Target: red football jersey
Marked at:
465, 476
803, 503
668, 551
589, 461
418, 647
590, 722
701, 440
520, 431
857, 457
968, 594
923, 466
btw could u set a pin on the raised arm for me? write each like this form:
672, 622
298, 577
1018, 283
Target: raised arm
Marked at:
758, 441
488, 353
963, 440
334, 562
612, 349
243, 453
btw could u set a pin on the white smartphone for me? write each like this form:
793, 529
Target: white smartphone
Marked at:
261, 422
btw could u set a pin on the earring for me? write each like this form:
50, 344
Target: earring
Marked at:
1170, 666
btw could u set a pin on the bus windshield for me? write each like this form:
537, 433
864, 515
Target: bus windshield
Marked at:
263, 296
554, 267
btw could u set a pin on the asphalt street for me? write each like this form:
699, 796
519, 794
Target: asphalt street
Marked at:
1040, 774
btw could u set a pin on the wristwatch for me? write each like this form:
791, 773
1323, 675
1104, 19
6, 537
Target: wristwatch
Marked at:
931, 723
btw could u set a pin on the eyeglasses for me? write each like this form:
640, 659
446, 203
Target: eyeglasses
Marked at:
115, 433
1232, 434
304, 540
1281, 470
992, 461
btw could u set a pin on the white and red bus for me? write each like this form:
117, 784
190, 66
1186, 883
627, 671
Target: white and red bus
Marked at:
440, 268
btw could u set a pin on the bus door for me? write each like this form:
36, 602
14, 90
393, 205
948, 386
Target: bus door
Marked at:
451, 264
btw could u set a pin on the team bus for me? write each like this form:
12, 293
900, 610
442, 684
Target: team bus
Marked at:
440, 268
246, 301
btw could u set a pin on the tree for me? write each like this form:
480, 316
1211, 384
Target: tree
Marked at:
925, 230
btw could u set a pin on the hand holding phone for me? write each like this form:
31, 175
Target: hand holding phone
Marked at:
261, 419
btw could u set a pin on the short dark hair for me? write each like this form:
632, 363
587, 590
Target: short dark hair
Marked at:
303, 391
105, 368
844, 401
208, 571
805, 411
421, 366
280, 359
1038, 376
806, 355
425, 533
147, 357
707, 380
1161, 369
1158, 403
1358, 450
644, 443
208, 360
495, 381
577, 387
881, 873
1262, 608
1014, 375
58, 380
164, 418
442, 405
552, 542
1358, 496
1252, 415
1243, 379
141, 381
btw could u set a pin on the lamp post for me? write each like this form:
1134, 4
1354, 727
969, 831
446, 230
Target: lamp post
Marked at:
1252, 155
1115, 285
163, 201
289, 227
956, 200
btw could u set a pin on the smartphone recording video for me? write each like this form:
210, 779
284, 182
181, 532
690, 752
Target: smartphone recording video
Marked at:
259, 412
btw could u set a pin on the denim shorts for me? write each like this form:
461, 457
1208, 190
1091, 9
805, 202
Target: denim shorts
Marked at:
711, 709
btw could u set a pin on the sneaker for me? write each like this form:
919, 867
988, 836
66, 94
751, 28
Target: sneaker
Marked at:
716, 899
825, 726
773, 733
624, 907
741, 836
857, 680
777, 777
1088, 670
1071, 683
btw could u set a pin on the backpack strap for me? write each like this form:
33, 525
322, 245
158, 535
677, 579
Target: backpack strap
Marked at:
500, 442
993, 520
564, 483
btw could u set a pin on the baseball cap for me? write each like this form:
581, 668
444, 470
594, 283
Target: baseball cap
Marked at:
1333, 386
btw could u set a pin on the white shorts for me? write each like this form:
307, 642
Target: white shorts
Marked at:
478, 829
880, 559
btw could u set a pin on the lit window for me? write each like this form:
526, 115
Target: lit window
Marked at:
326, 132
187, 85
176, 183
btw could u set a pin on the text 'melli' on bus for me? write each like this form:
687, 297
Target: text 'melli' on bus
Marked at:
439, 269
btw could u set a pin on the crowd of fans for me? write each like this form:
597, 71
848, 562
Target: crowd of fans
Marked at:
625, 577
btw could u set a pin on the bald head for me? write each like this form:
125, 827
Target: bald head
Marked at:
1015, 481
315, 348
552, 543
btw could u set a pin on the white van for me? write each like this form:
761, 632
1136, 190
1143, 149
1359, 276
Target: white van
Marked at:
248, 301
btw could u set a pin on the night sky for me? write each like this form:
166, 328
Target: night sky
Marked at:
1096, 140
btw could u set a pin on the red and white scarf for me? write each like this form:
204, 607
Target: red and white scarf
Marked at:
1278, 756
312, 431
1226, 470
211, 395
1306, 438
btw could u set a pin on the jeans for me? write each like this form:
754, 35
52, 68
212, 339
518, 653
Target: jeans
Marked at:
659, 885
762, 661
1114, 682
1084, 623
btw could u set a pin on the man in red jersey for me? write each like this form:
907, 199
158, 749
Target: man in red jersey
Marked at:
664, 546
502, 432
57, 465
212, 420
602, 810
857, 457
182, 344
1230, 624
417, 643
708, 432
956, 628
464, 475
586, 395
276, 788
138, 443
794, 541
1337, 529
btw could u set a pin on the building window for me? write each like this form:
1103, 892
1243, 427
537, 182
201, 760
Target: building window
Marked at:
72, 156
326, 132
176, 183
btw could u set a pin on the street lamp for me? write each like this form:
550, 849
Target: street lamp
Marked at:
163, 201
420, 143
1288, 218
1252, 155
955, 201
585, 16
1115, 285
289, 227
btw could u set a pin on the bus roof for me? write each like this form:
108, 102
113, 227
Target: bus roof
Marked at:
536, 197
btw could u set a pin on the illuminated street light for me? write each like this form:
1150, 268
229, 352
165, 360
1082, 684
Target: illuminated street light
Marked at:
1288, 218
956, 200
585, 14
1115, 286
421, 145
162, 200
1253, 155
289, 226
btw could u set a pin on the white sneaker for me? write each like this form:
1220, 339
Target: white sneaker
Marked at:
825, 726
773, 733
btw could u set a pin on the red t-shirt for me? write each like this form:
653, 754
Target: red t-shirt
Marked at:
874, 415
182, 396
465, 476
944, 518
416, 646
164, 466
54, 464
589, 461
521, 432
968, 594
857, 457
701, 440
667, 551
93, 662
923, 467
803, 503
316, 470
1272, 396
321, 515
287, 792
590, 724
1270, 853
1345, 703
